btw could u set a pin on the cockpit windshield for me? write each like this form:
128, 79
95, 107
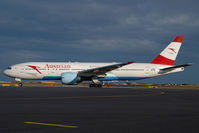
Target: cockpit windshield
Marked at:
9, 68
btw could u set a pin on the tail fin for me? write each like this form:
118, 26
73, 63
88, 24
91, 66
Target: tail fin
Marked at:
168, 55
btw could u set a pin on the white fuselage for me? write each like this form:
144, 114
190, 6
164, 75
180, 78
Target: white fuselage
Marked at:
73, 73
53, 70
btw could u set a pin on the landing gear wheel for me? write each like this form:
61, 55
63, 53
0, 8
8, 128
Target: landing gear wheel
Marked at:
98, 85
92, 85
95, 85
20, 84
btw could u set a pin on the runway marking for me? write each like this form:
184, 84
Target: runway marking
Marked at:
50, 124
153, 93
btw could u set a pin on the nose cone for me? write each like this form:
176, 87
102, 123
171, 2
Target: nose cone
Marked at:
9, 72
5, 72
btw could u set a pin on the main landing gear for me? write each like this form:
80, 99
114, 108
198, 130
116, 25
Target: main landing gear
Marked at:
96, 85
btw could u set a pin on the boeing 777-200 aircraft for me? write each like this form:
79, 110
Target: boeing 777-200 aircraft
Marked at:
74, 73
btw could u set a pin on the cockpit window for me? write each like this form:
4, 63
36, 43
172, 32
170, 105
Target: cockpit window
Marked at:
9, 68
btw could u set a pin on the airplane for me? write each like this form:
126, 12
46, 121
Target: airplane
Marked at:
74, 72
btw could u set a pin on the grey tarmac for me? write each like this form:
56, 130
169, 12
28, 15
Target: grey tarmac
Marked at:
98, 110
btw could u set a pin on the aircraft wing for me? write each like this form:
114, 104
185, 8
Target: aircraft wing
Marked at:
101, 70
174, 67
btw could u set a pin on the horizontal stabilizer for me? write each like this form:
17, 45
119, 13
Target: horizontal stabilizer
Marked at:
164, 70
169, 68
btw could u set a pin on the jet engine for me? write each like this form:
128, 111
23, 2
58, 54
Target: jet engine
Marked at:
70, 78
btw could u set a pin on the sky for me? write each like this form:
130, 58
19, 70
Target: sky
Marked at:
99, 31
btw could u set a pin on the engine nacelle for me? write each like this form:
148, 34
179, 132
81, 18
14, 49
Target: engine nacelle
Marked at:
70, 78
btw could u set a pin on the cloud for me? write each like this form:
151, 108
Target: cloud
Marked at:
40, 30
16, 56
27, 55
134, 45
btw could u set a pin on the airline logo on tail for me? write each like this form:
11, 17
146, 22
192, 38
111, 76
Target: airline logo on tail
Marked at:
172, 49
169, 54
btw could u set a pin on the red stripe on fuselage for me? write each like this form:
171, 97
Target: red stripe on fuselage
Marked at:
35, 68
162, 60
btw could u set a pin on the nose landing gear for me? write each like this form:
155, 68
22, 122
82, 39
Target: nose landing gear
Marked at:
19, 81
20, 84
